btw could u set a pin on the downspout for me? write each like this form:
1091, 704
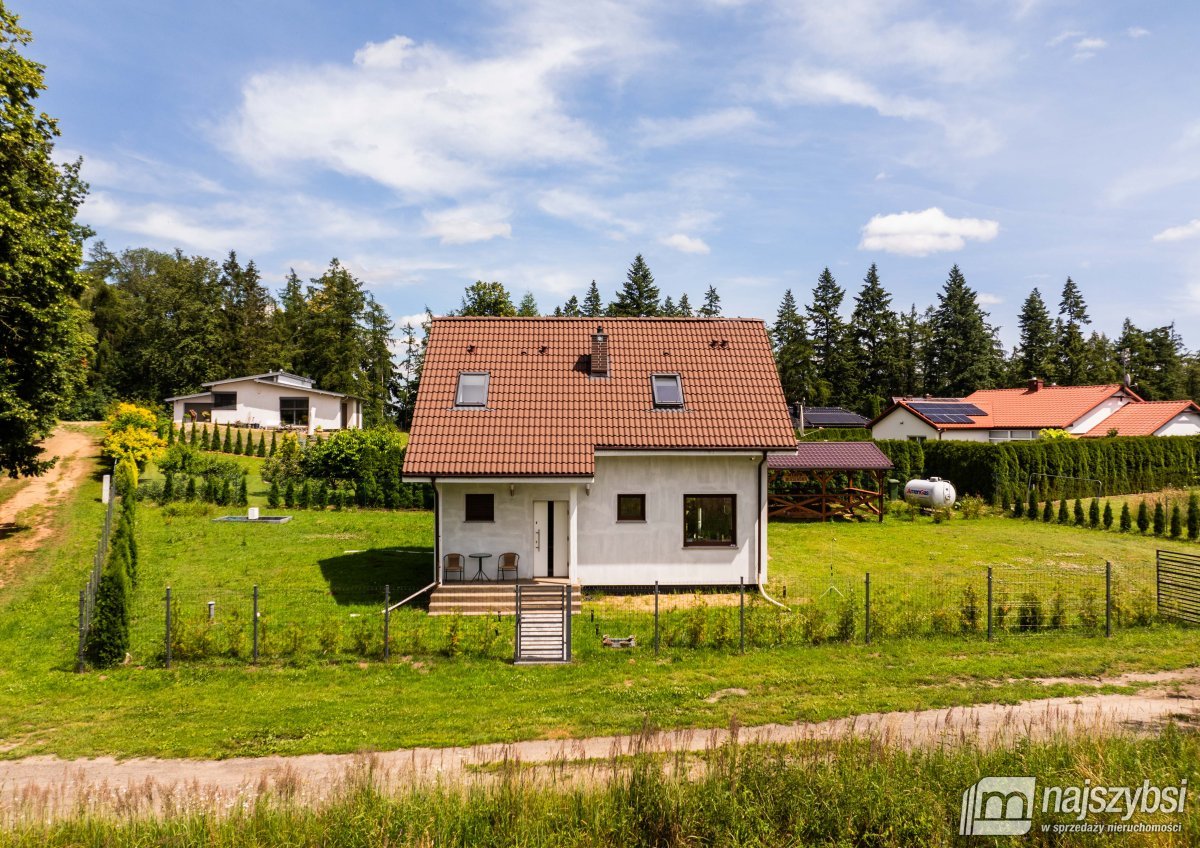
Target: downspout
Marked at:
437, 532
762, 532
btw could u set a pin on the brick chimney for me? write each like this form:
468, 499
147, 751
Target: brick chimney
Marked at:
1036, 384
599, 352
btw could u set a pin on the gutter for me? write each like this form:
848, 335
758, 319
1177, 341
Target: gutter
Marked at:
762, 530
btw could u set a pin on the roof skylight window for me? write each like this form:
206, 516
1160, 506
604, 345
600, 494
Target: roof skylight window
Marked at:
472, 389
668, 390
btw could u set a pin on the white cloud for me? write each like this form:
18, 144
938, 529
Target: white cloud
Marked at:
989, 299
925, 232
221, 229
1190, 230
971, 136
585, 211
1176, 166
1064, 36
1137, 32
467, 224
1086, 48
685, 243
416, 117
667, 132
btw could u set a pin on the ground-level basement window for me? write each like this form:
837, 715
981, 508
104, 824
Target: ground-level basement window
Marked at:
481, 508
917, 438
709, 520
293, 412
631, 507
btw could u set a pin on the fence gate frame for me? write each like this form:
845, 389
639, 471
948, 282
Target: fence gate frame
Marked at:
1177, 585
543, 624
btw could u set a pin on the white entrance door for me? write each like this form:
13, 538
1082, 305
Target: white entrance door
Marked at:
550, 540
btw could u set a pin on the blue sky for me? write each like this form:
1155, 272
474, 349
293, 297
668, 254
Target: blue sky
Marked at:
741, 144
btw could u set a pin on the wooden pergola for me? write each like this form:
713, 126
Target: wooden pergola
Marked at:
825, 479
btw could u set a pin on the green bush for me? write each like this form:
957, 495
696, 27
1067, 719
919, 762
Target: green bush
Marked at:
1143, 517
305, 498
1019, 509
1064, 516
289, 494
1193, 516
189, 493
243, 497
1176, 522
273, 496
1160, 519
968, 611
262, 445
1094, 514
108, 638
1048, 512
1126, 518
1032, 507
1029, 612
1108, 516
237, 444
837, 434
227, 445
192, 435
971, 506
271, 452
215, 444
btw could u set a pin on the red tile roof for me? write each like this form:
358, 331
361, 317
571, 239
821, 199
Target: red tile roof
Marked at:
1142, 419
546, 416
1007, 409
833, 456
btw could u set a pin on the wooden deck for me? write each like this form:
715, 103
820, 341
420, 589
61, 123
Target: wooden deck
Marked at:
491, 598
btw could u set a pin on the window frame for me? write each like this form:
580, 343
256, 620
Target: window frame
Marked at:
639, 498
472, 515
459, 403
216, 404
732, 498
660, 404
293, 410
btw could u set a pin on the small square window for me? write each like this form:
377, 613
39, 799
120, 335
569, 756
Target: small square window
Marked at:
472, 389
631, 507
668, 390
481, 508
224, 400
709, 521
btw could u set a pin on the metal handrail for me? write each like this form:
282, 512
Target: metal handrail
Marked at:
415, 594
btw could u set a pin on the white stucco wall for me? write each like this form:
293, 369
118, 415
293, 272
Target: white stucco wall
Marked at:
606, 552
1183, 424
900, 424
258, 403
1094, 416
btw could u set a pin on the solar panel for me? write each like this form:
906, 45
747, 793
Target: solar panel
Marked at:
947, 418
947, 408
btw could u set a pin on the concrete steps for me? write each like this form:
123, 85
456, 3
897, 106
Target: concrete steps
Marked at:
486, 598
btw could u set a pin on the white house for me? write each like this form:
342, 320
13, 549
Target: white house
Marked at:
1004, 415
613, 455
274, 399
1151, 418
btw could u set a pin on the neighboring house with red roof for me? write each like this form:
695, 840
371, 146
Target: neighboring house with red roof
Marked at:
1151, 418
617, 454
1004, 415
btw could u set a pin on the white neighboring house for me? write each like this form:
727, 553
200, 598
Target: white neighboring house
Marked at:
274, 399
613, 455
1005, 415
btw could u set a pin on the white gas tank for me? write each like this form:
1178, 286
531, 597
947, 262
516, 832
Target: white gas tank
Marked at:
932, 493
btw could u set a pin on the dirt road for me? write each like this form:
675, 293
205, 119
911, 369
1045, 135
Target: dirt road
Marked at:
54, 783
74, 451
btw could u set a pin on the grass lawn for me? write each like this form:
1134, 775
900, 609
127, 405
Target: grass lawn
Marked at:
230, 708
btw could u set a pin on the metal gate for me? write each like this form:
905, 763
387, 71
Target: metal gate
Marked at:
543, 624
1178, 579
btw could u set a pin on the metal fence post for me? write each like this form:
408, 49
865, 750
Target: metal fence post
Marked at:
867, 625
256, 622
656, 618
82, 629
989, 603
517, 628
387, 616
1108, 599
568, 601
742, 614
167, 653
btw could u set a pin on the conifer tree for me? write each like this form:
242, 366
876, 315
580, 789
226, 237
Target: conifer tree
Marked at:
1070, 353
1094, 513
227, 444
684, 307
835, 383
1160, 519
669, 309
1143, 517
874, 332
243, 492
237, 444
712, 304
262, 445
593, 305
215, 446
322, 499
793, 352
205, 444
273, 495
289, 494
189, 492
272, 451
192, 435
571, 308
1176, 522
1064, 516
1108, 516
305, 499
170, 433
1018, 508
1126, 518
963, 347
1048, 511
638, 295
1193, 516
913, 335
246, 307
1080, 518
1032, 508
1033, 354
528, 307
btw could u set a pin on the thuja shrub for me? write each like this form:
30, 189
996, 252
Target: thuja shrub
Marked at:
1029, 612
1094, 514
1033, 505
1048, 512
1126, 518
1080, 519
1143, 517
1064, 516
1193, 516
1160, 519
1108, 516
1176, 522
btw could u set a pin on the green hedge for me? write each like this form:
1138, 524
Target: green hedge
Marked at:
836, 434
1001, 472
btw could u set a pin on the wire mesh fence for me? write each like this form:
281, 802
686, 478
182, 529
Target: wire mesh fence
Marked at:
361, 623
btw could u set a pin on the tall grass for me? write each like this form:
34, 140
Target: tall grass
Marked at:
850, 791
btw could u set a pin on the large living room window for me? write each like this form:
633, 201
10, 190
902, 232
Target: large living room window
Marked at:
709, 521
224, 400
293, 412
481, 507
